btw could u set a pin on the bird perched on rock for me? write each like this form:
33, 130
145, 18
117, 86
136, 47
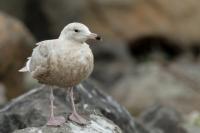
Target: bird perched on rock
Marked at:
63, 62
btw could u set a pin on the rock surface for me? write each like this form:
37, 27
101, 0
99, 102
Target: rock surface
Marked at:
32, 109
172, 19
97, 124
29, 113
14, 8
15, 45
175, 85
3, 98
192, 122
160, 119
111, 64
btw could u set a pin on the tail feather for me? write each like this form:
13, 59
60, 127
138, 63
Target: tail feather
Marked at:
24, 69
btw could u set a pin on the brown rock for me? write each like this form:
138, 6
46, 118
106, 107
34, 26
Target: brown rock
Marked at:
13, 7
15, 45
130, 20
126, 19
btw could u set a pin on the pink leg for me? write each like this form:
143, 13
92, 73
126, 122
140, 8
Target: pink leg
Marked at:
75, 116
54, 121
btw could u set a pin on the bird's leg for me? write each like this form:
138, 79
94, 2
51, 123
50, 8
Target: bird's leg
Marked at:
74, 115
54, 121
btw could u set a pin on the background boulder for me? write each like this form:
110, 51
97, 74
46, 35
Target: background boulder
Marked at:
16, 43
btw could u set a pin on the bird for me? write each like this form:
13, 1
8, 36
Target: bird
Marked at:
63, 62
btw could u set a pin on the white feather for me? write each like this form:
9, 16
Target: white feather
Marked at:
26, 68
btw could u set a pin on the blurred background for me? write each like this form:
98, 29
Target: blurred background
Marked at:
149, 53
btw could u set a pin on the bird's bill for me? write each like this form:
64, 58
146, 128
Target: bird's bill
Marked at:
94, 36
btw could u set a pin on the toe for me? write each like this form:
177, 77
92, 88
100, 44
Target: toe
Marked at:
78, 119
56, 121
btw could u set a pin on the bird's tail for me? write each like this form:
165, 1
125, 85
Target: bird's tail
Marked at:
26, 67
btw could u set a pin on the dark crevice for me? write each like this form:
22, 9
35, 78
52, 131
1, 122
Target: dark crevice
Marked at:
142, 48
195, 49
36, 20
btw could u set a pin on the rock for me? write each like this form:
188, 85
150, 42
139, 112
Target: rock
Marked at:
109, 63
186, 71
15, 45
147, 18
14, 8
155, 17
97, 124
162, 120
193, 119
192, 122
172, 20
3, 98
192, 129
151, 83
32, 109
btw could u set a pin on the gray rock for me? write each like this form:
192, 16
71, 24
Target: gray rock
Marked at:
175, 86
97, 124
32, 109
162, 120
3, 98
112, 63
192, 128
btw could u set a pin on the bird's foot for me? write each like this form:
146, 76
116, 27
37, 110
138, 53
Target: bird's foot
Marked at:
56, 121
77, 118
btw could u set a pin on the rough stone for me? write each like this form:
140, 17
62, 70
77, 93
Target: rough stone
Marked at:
175, 85
172, 19
32, 110
13, 7
97, 124
3, 98
112, 63
162, 120
192, 129
15, 44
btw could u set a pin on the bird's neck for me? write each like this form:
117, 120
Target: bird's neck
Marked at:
68, 42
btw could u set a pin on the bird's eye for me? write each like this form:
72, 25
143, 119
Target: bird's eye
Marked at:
76, 30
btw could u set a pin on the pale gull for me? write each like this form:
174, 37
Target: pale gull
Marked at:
63, 62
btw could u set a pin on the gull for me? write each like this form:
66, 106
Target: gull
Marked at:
63, 62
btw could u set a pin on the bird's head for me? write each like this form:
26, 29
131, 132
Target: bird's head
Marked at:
78, 32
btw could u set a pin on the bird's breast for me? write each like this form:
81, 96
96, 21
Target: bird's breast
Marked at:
71, 66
